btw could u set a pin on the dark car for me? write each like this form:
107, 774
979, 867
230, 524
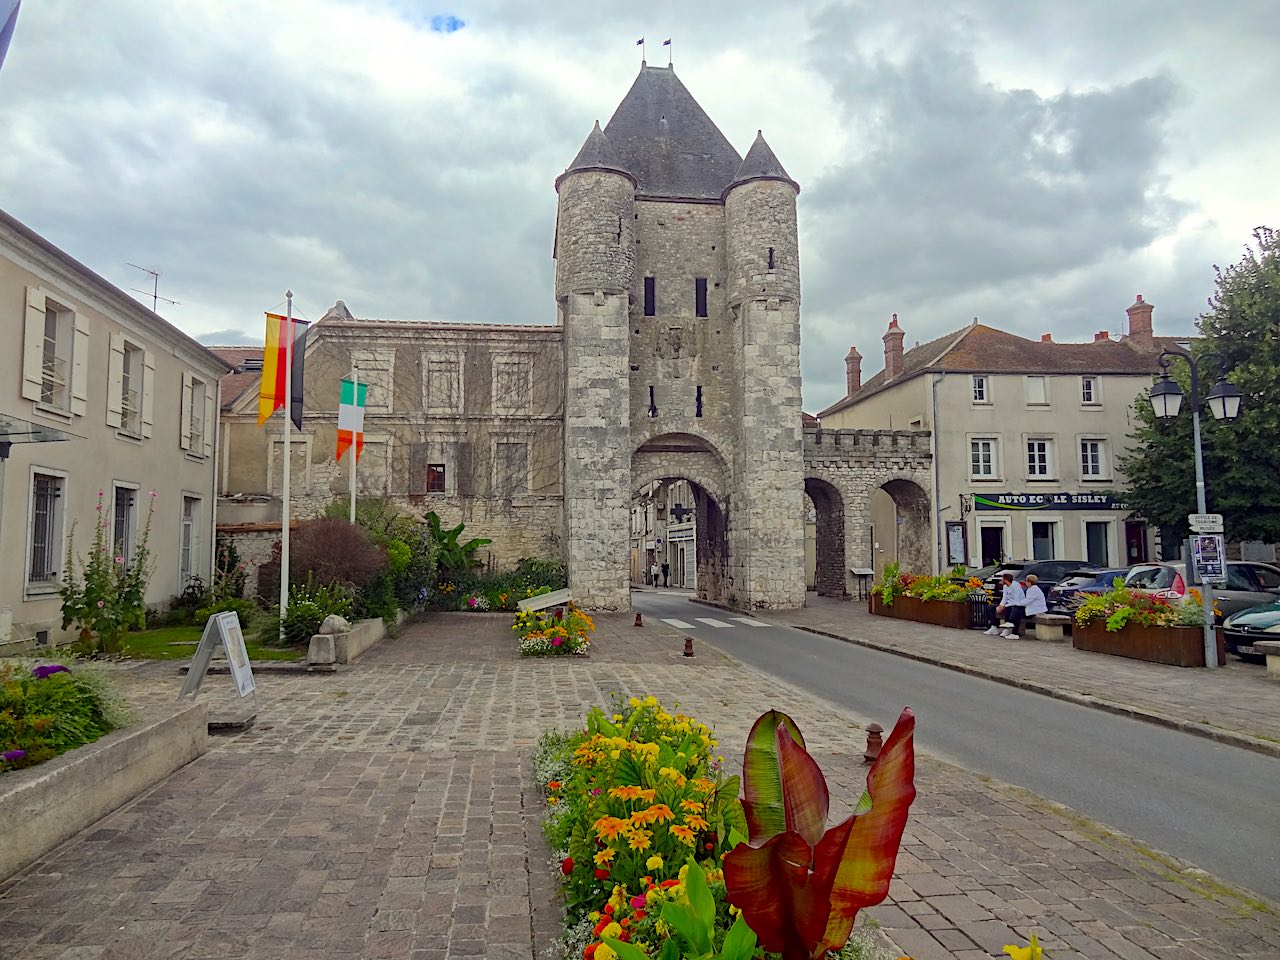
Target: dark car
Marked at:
1246, 626
990, 575
1047, 572
1079, 584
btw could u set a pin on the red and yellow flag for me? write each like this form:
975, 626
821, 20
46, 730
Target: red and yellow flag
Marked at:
271, 393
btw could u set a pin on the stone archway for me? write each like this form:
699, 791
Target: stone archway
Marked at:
912, 530
829, 556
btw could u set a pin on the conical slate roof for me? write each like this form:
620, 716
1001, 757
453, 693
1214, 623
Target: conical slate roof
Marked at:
761, 163
685, 157
597, 153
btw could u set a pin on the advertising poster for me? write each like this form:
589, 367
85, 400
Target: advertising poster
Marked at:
1208, 557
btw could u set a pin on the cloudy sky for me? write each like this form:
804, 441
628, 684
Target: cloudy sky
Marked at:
1034, 164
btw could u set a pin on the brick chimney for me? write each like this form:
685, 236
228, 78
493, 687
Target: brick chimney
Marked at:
1140, 326
852, 371
893, 350
1101, 335
1046, 338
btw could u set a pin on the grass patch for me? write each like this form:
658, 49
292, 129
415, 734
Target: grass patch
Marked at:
179, 643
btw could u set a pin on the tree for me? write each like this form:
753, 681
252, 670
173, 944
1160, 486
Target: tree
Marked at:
1242, 457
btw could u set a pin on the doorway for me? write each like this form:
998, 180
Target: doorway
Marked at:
1097, 542
993, 546
1044, 539
1135, 542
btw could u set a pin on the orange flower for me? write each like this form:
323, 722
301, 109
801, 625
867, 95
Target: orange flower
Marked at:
554, 784
683, 834
660, 813
604, 856
639, 839
703, 784
696, 822
609, 827
627, 793
691, 806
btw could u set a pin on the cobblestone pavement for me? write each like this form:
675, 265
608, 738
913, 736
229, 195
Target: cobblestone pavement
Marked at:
1236, 699
388, 811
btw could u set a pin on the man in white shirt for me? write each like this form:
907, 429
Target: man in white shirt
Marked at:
1012, 602
1036, 602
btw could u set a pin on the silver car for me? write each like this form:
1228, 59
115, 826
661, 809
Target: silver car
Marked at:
1249, 583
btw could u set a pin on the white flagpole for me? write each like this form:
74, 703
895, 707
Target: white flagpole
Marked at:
288, 457
355, 386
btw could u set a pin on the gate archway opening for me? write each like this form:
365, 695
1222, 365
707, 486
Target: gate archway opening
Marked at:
902, 530
828, 537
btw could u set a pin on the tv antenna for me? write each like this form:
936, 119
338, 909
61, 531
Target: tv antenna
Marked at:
154, 294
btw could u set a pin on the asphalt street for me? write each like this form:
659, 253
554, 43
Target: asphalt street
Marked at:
1212, 804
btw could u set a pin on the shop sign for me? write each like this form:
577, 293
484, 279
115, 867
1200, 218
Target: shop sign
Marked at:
1047, 501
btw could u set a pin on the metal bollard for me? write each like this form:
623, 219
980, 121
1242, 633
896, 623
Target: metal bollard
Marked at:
874, 742
688, 646
639, 619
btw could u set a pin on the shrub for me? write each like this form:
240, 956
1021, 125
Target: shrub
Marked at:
548, 633
309, 604
1120, 606
246, 610
228, 570
331, 551
49, 709
412, 552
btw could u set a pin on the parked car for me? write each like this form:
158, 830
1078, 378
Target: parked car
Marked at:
1048, 572
990, 575
1078, 584
1249, 583
1241, 629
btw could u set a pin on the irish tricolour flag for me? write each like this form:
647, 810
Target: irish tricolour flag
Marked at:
351, 417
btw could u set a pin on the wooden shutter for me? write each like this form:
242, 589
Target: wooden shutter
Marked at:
185, 412
148, 392
210, 421
33, 345
115, 382
79, 366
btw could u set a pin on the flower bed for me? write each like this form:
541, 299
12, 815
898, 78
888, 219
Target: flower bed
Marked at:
560, 631
943, 613
925, 599
49, 709
1126, 623
651, 840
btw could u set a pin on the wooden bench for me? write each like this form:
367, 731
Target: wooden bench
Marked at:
1049, 626
544, 600
1271, 650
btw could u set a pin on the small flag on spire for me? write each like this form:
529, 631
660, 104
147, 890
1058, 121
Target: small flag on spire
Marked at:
351, 418
640, 42
666, 42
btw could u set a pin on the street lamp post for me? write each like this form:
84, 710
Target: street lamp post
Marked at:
1224, 404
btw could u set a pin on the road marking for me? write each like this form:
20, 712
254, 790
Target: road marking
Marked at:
679, 623
712, 623
751, 623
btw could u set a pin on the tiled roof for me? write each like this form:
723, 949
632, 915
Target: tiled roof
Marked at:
978, 348
235, 383
761, 163
597, 153
667, 141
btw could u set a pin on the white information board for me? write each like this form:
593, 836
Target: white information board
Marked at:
1209, 558
222, 629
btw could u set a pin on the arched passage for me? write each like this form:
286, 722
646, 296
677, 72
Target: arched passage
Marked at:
911, 533
829, 556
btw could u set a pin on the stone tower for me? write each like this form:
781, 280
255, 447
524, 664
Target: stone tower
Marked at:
678, 285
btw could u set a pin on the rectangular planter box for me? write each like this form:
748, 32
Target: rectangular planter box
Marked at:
1177, 646
44, 805
942, 613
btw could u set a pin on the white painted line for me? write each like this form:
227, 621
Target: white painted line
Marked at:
679, 623
751, 623
713, 623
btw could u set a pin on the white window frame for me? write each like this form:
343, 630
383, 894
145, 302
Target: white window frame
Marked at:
199, 416
1005, 523
45, 587
1113, 545
442, 447
132, 357
1026, 385
378, 448
70, 366
1094, 385
996, 464
1050, 458
131, 534
1058, 545
980, 383
1104, 459
192, 549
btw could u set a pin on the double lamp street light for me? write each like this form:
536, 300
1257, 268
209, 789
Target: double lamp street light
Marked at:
1224, 404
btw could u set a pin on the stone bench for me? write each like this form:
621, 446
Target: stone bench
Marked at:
1270, 649
1049, 626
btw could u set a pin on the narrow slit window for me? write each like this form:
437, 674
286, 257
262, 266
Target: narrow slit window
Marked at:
653, 403
698, 410
700, 296
649, 298
771, 258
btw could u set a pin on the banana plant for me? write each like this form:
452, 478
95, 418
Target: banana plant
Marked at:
798, 884
455, 555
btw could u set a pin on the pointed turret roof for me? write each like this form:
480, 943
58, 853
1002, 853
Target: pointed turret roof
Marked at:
597, 153
685, 157
760, 163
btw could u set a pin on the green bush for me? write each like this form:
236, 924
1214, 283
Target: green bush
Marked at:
309, 604
412, 552
502, 590
247, 610
48, 709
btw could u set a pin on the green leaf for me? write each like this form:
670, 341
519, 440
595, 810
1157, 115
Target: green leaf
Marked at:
700, 899
686, 924
863, 805
627, 951
736, 837
669, 951
783, 788
739, 942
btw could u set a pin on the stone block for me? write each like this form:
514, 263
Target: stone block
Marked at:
321, 649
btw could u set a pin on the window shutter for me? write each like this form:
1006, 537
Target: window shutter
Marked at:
115, 382
79, 366
148, 392
419, 454
210, 421
33, 345
185, 412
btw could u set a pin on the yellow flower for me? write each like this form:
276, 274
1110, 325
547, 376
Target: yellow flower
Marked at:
660, 813
1033, 951
617, 718
609, 827
696, 822
683, 834
613, 930
626, 793
691, 806
604, 856
653, 863
639, 839
605, 952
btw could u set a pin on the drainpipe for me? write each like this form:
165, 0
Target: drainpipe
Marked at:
938, 552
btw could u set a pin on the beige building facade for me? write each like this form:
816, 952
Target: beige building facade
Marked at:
1025, 440
102, 402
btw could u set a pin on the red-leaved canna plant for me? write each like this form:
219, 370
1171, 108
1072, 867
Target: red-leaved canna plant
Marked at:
799, 885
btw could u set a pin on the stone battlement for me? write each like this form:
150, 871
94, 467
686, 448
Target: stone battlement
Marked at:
819, 443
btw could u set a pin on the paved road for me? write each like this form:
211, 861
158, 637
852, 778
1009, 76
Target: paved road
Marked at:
1212, 804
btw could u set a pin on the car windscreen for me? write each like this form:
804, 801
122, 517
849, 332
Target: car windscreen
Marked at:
1150, 578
